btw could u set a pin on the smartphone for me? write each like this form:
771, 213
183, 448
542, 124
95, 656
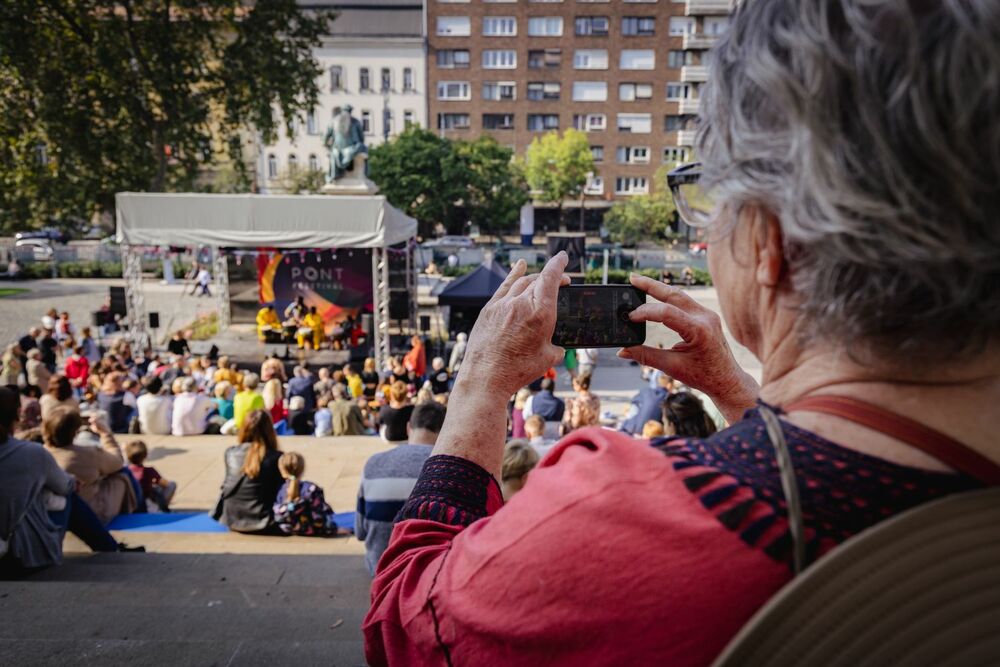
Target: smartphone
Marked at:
598, 316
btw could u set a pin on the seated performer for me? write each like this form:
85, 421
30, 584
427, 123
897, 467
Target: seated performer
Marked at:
267, 322
312, 324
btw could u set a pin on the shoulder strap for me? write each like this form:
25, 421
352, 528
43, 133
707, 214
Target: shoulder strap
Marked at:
942, 447
789, 485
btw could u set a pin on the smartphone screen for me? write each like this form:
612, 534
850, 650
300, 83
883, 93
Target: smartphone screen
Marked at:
597, 316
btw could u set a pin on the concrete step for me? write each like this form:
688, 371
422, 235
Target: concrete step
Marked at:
187, 609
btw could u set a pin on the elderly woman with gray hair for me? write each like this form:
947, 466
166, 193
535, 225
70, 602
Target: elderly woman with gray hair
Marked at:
850, 189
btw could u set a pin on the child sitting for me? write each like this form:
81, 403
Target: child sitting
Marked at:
155, 489
300, 508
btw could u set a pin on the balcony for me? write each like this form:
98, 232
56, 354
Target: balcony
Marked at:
694, 74
698, 41
709, 7
685, 107
686, 137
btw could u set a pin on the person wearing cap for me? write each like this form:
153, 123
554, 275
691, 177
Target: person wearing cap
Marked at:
267, 322
849, 191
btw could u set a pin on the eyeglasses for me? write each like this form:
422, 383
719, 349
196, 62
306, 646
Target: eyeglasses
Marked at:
694, 204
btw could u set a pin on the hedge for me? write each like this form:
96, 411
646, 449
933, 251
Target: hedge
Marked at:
37, 270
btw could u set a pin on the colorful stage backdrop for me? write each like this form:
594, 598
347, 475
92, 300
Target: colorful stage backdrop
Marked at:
338, 284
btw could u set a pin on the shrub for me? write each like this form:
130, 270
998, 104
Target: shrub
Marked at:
617, 276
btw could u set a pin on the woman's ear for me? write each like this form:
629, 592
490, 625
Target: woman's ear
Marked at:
769, 248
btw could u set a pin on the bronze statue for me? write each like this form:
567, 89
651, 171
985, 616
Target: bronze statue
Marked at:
345, 139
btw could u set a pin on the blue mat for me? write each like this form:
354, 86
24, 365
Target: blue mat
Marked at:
189, 522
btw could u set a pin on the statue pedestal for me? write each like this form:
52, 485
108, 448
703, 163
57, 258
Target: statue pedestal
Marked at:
353, 182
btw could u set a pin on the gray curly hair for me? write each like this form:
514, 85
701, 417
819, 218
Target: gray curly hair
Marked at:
871, 129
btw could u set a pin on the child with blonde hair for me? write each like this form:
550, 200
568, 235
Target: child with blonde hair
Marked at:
301, 508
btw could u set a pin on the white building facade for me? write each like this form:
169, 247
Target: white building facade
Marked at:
375, 61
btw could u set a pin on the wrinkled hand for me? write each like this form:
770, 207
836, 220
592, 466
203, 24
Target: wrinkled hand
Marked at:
703, 358
511, 343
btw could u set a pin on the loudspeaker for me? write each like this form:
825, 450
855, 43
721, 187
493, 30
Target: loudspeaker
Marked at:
118, 306
100, 318
399, 305
154, 320
425, 323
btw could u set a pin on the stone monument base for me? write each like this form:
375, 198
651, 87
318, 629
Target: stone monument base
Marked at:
353, 182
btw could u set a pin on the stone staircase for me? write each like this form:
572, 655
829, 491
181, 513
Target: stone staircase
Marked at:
187, 609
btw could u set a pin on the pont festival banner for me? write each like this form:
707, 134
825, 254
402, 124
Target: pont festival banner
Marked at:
338, 283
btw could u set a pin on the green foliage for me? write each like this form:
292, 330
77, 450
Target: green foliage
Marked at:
39, 270
433, 179
140, 95
458, 271
495, 187
205, 327
642, 217
617, 276
556, 167
303, 181
11, 291
701, 277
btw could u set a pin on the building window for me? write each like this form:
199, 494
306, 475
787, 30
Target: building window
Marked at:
366, 122
590, 122
633, 155
499, 91
311, 125
636, 123
715, 25
630, 92
590, 59
631, 185
597, 152
545, 26
407, 80
272, 167
638, 26
313, 162
499, 59
596, 26
681, 25
674, 155
498, 121
499, 26
453, 58
594, 186
590, 91
547, 90
678, 91
385, 80
678, 59
539, 122
544, 58
454, 90
42, 154
678, 123
364, 79
454, 26
293, 163
336, 78
386, 121
638, 59
293, 127
408, 118
453, 121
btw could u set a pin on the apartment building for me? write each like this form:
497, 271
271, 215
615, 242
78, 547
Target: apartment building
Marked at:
626, 72
374, 59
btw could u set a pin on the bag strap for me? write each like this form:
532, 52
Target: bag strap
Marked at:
934, 443
789, 485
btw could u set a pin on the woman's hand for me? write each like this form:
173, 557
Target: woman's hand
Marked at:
99, 426
703, 358
511, 343
510, 346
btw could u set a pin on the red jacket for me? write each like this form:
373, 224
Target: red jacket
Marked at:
604, 558
416, 361
77, 368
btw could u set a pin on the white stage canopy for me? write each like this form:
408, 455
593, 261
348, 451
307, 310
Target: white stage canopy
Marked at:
254, 221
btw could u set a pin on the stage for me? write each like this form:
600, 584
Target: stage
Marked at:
240, 344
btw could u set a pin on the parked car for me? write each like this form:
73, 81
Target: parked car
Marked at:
451, 241
40, 249
698, 248
46, 233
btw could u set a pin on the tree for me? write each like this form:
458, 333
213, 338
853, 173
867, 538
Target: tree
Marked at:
303, 181
495, 186
100, 96
643, 217
556, 167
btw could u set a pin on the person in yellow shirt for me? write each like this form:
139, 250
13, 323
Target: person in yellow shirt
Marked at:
314, 322
354, 383
267, 320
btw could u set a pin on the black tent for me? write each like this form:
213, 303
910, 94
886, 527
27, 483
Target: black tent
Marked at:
467, 295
